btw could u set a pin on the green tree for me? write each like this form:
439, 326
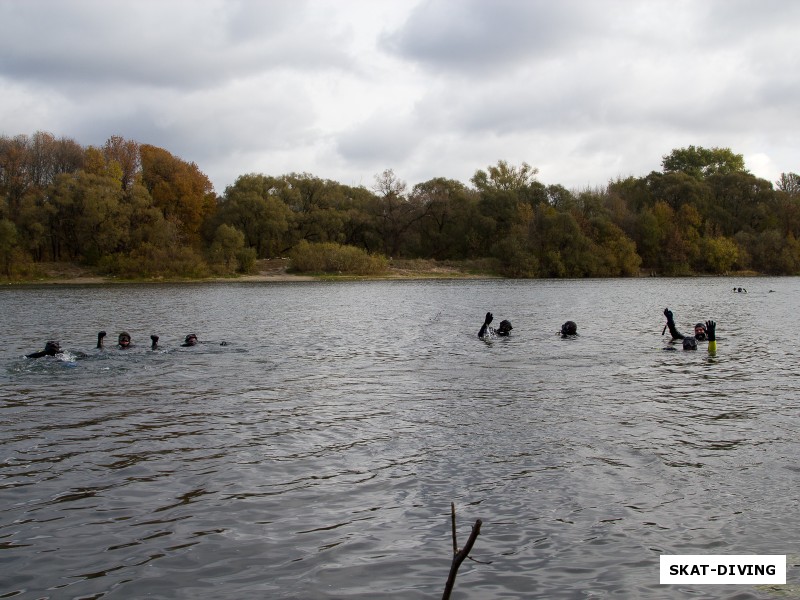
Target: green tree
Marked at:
514, 251
773, 253
736, 200
253, 205
229, 250
615, 252
678, 189
720, 254
702, 162
789, 183
87, 220
503, 176
501, 188
561, 248
395, 212
315, 204
450, 209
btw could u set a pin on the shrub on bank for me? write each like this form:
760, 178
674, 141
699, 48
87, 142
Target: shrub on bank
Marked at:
151, 261
329, 257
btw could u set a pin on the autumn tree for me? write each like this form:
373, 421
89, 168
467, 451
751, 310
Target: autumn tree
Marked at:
179, 189
8, 245
126, 154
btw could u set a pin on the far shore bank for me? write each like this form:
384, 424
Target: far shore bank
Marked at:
276, 270
267, 270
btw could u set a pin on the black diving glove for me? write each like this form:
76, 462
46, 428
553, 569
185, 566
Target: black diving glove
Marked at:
711, 331
488, 319
668, 314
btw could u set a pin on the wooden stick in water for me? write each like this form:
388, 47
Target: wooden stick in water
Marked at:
459, 555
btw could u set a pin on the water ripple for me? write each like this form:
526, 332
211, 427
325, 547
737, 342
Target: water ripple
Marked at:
320, 460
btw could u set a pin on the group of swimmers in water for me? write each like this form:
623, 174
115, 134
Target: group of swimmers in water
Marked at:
702, 331
52, 348
568, 329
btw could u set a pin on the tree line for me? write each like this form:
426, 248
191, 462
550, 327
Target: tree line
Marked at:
136, 210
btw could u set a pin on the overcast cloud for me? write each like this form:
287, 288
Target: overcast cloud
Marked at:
585, 90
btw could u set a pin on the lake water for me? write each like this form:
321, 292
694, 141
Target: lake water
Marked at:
316, 455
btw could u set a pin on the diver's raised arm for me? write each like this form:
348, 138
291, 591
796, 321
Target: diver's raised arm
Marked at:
485, 326
676, 335
154, 340
100, 336
711, 332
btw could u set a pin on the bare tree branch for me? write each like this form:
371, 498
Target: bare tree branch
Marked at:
459, 555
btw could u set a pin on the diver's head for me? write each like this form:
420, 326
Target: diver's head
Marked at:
190, 340
569, 328
124, 339
505, 326
700, 331
689, 343
52, 348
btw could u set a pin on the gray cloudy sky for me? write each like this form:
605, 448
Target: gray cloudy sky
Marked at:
585, 90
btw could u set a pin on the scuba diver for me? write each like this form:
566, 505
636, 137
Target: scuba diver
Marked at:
51, 348
124, 340
702, 332
740, 290
569, 329
191, 340
503, 331
699, 328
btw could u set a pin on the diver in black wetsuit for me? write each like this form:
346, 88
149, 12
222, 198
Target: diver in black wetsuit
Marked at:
569, 329
503, 331
699, 328
702, 332
124, 340
191, 340
51, 348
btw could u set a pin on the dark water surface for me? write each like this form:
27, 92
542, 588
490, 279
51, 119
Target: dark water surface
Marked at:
316, 456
